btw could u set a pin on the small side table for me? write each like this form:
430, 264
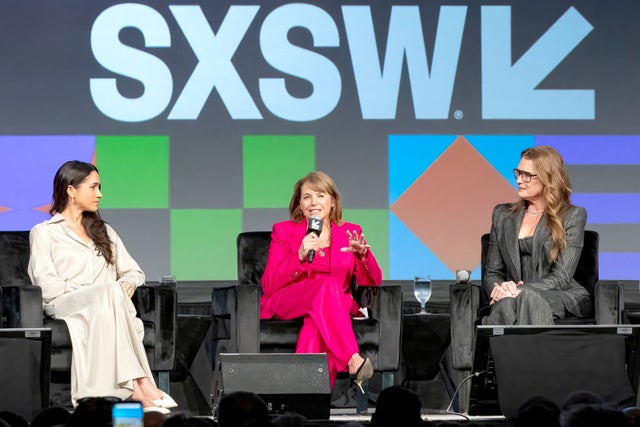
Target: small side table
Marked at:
26, 370
425, 338
192, 330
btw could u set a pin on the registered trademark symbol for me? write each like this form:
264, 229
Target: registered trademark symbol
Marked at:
458, 114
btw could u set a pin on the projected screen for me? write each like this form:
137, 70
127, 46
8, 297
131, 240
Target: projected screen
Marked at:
202, 116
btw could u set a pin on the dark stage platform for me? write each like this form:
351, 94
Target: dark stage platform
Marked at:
342, 416
425, 340
424, 362
426, 354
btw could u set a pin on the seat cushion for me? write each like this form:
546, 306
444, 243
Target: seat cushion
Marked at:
61, 343
280, 333
61, 339
572, 320
59, 333
283, 334
149, 339
367, 332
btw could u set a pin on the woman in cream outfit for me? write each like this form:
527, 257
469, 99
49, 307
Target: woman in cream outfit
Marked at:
87, 279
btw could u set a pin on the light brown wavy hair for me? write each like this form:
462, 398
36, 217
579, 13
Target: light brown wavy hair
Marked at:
319, 181
556, 192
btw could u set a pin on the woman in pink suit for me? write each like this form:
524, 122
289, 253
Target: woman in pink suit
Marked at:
319, 291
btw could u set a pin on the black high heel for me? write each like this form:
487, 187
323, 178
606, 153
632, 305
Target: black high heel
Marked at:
364, 372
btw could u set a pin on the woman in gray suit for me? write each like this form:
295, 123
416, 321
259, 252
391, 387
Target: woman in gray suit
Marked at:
534, 247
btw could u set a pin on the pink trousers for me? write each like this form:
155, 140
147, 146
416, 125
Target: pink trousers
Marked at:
327, 326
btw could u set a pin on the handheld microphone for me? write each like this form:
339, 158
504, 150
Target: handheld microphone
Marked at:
463, 276
314, 226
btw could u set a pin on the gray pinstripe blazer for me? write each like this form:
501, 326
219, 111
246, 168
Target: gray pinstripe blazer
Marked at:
503, 257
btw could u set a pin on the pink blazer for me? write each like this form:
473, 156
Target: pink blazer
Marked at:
284, 268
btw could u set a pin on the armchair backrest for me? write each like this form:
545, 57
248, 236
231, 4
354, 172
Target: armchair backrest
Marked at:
587, 271
14, 258
253, 248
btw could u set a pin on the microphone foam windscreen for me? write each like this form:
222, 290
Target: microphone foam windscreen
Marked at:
463, 276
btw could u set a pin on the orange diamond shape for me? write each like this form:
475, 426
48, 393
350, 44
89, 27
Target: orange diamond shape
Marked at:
43, 208
4, 209
449, 206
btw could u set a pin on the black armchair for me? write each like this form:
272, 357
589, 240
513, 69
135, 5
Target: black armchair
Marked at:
237, 327
469, 302
22, 308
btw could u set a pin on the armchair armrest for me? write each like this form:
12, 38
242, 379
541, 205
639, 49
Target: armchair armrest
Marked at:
248, 319
609, 302
464, 302
22, 306
235, 309
385, 303
157, 304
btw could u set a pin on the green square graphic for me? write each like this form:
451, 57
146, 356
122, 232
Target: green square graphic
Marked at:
272, 164
134, 171
375, 226
203, 243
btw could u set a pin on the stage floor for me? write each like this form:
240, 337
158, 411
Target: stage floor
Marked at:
349, 415
195, 299
193, 394
342, 416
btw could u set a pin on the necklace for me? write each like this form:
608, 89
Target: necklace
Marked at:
322, 246
530, 212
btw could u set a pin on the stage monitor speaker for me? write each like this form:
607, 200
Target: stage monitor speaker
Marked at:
515, 363
26, 370
285, 381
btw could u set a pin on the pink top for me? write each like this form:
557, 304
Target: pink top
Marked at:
321, 266
284, 267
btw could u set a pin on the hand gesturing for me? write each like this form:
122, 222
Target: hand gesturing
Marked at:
357, 245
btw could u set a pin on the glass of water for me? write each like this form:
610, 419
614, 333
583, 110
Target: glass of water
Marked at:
168, 280
422, 291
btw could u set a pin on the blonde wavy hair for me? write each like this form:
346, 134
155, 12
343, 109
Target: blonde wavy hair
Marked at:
318, 181
556, 192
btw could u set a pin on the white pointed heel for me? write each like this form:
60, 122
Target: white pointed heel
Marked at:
165, 401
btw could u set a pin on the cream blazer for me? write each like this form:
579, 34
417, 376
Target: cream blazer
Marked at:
61, 262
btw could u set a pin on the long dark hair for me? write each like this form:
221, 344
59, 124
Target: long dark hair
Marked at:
73, 173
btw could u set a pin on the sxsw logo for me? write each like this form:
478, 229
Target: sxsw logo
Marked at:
509, 86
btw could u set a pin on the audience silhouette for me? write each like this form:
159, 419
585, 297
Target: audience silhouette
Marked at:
183, 420
581, 397
594, 415
291, 419
51, 417
397, 406
238, 408
538, 411
92, 411
13, 420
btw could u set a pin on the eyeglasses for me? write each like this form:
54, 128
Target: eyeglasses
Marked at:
526, 176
